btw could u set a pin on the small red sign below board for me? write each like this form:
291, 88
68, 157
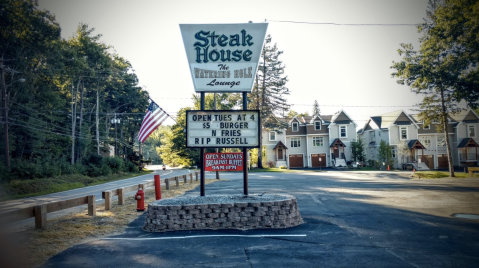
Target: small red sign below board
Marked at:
223, 161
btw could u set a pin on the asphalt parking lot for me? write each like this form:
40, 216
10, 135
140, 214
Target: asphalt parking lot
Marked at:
351, 219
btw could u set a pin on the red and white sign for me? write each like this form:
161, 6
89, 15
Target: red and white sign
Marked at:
223, 161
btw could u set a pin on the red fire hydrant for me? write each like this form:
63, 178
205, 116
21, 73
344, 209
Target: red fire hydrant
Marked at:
140, 200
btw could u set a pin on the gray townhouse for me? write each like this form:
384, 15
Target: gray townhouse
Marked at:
311, 141
420, 146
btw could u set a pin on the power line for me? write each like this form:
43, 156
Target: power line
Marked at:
345, 24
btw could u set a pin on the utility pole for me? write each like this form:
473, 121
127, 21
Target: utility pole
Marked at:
97, 119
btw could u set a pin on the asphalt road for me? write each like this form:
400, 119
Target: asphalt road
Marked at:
352, 219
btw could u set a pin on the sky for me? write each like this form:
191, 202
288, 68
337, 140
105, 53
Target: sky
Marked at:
341, 66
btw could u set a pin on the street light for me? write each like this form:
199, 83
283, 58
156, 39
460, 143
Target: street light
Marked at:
5, 115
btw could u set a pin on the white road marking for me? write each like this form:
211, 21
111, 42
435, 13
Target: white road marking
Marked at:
200, 236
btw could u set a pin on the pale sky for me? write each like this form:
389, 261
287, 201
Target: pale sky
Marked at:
342, 67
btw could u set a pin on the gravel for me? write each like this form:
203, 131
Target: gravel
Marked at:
223, 199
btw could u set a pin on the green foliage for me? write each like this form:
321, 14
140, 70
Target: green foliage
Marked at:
269, 90
316, 110
385, 153
444, 69
283, 167
292, 114
358, 150
64, 79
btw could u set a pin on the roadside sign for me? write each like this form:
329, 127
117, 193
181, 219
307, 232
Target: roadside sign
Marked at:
223, 57
223, 161
222, 129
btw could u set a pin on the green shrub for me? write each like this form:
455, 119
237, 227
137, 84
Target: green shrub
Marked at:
116, 164
131, 167
283, 167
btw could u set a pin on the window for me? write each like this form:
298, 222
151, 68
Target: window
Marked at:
372, 136
471, 131
424, 126
317, 125
317, 141
342, 131
403, 133
272, 135
441, 141
295, 127
426, 141
295, 142
393, 150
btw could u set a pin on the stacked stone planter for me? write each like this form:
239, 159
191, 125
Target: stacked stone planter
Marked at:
223, 212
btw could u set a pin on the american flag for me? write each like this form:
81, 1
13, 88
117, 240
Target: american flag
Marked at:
154, 117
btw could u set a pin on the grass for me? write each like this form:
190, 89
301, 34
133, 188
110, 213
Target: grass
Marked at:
441, 174
35, 187
31, 247
277, 170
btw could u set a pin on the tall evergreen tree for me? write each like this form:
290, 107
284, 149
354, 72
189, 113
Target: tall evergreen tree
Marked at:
269, 90
444, 69
316, 110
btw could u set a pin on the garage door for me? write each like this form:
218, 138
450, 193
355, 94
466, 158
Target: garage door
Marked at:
315, 160
296, 160
442, 161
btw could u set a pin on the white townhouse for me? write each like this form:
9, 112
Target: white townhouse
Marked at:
311, 141
421, 146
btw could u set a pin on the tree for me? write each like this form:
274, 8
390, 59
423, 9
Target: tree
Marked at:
385, 153
358, 151
269, 91
316, 110
444, 69
292, 114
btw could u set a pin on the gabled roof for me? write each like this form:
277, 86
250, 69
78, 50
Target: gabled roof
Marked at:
377, 120
337, 142
467, 142
400, 119
415, 144
338, 119
314, 117
467, 116
280, 144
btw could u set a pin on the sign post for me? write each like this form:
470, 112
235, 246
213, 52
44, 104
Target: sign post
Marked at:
223, 58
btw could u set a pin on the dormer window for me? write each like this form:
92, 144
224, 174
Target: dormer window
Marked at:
317, 125
294, 127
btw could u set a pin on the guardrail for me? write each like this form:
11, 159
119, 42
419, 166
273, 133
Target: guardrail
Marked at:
40, 211
120, 192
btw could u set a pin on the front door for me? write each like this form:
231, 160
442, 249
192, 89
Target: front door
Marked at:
336, 152
280, 153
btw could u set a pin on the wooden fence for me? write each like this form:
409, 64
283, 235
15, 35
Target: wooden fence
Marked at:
40, 211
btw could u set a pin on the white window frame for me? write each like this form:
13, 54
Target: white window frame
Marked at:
426, 141
297, 126
438, 138
298, 142
319, 124
318, 140
345, 131
274, 133
424, 125
400, 133
469, 133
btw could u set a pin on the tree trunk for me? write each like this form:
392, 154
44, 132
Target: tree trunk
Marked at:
74, 120
97, 119
263, 89
448, 146
81, 120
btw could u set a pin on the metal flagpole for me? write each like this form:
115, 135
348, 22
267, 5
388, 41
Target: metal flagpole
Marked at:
245, 151
202, 153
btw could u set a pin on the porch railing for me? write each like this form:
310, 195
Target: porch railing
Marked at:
411, 159
424, 160
469, 156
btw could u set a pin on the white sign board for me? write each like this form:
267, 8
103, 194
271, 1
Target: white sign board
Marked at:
223, 57
222, 129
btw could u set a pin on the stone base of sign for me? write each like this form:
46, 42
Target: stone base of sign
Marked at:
231, 212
